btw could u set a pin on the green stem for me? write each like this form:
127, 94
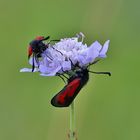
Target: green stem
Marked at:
72, 122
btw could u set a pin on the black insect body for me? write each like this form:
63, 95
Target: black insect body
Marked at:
36, 48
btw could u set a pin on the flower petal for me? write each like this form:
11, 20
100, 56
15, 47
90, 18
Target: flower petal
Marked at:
49, 68
42, 68
28, 70
50, 74
31, 61
66, 65
96, 46
89, 54
104, 49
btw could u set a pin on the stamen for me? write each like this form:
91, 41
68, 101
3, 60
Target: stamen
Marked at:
80, 35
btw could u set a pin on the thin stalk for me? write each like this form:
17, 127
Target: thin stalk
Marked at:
72, 122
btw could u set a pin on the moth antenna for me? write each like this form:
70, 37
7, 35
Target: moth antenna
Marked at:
46, 38
71, 62
58, 51
48, 57
53, 41
93, 62
108, 73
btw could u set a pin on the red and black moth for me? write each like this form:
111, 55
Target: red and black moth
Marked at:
74, 84
36, 48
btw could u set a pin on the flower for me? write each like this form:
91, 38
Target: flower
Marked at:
68, 54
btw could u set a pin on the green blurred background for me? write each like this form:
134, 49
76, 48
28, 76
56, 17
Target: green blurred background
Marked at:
108, 107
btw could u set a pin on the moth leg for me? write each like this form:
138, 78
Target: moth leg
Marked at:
33, 64
93, 62
62, 79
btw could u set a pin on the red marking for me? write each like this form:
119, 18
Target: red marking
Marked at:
30, 51
39, 38
68, 92
73, 86
61, 98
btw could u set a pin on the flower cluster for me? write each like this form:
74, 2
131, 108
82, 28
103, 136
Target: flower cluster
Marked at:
66, 55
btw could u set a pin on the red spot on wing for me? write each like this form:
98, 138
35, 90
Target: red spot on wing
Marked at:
30, 51
39, 38
68, 91
61, 98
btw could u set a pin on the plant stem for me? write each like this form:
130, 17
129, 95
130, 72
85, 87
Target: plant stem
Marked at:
72, 122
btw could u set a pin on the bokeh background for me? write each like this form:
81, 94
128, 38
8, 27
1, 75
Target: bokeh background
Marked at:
108, 108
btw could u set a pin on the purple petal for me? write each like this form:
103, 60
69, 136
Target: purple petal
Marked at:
90, 54
96, 46
49, 71
50, 74
28, 70
93, 52
81, 59
104, 49
66, 65
31, 61
42, 68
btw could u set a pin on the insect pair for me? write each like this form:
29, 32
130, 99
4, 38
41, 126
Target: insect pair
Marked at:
74, 83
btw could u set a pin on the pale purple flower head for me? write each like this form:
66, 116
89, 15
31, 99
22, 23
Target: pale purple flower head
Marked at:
68, 54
